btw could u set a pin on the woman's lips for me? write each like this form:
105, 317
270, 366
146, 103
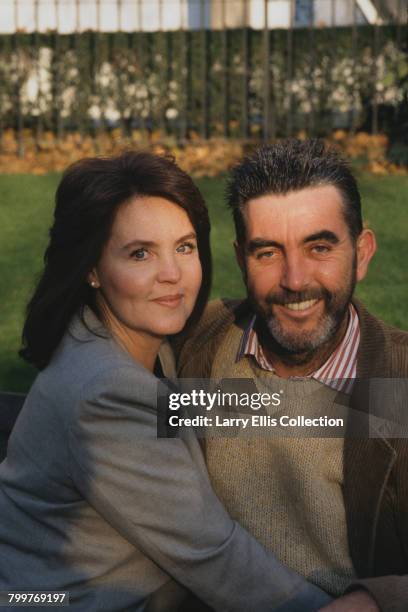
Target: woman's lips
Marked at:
170, 301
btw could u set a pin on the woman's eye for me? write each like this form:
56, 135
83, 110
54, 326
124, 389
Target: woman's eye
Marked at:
139, 254
186, 248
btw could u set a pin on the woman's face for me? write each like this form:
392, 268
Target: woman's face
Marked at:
149, 273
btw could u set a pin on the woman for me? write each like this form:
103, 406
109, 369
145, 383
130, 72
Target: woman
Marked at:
91, 502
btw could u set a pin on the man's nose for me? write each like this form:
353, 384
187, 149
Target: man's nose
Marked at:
295, 273
169, 269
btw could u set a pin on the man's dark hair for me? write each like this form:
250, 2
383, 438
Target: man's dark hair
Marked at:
88, 197
292, 165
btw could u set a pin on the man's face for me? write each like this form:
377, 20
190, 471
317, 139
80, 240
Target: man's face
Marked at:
300, 266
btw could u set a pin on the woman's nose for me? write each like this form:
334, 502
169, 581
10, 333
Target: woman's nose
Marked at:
169, 270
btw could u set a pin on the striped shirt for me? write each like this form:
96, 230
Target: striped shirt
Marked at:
338, 371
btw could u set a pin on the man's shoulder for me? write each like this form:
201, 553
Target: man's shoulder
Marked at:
397, 336
397, 341
221, 312
383, 347
370, 322
197, 348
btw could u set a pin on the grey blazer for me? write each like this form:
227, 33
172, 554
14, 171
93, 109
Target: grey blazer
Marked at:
91, 502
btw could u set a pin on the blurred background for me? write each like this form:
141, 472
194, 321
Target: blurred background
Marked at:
206, 81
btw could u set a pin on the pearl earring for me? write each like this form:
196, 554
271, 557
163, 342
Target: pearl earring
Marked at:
94, 284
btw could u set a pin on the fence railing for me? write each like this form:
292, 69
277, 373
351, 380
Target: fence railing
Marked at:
243, 82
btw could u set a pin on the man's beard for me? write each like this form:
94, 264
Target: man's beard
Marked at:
299, 347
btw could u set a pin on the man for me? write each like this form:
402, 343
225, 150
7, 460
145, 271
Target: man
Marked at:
335, 510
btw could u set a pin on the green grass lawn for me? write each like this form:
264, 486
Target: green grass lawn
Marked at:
26, 204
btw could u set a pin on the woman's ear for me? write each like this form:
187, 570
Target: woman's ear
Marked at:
366, 247
93, 279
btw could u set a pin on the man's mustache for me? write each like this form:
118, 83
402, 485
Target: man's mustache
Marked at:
290, 297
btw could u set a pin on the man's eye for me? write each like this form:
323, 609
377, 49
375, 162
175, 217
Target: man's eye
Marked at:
186, 248
265, 254
139, 254
320, 248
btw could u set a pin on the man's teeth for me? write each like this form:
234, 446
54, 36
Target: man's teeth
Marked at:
301, 305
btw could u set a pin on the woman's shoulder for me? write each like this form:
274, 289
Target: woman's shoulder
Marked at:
87, 360
86, 349
89, 377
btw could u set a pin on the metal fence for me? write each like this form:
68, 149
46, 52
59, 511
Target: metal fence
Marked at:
221, 69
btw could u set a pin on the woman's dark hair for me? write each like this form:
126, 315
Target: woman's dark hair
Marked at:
87, 199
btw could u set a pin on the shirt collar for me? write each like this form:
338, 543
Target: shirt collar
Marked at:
338, 371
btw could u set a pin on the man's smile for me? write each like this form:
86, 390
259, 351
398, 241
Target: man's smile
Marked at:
305, 305
298, 311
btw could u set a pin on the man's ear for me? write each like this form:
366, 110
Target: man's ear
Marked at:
366, 247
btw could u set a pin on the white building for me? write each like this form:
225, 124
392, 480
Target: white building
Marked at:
320, 13
150, 15
102, 15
